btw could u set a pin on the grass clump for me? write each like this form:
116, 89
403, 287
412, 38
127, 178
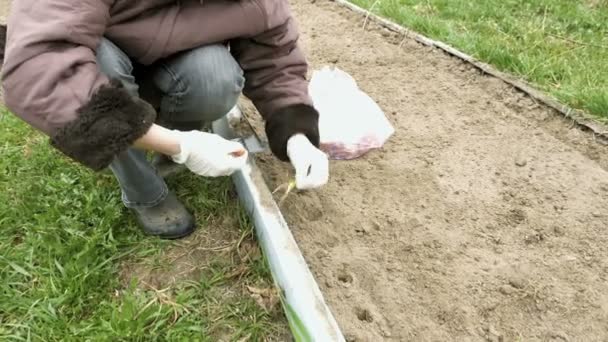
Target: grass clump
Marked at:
74, 265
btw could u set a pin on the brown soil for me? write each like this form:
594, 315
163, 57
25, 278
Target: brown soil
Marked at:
483, 218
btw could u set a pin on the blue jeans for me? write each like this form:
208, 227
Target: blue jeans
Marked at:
191, 88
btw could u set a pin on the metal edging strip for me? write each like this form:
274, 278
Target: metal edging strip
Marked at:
309, 316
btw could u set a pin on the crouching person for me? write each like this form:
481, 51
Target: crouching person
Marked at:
107, 81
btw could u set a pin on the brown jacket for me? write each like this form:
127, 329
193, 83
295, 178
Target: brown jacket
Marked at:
50, 78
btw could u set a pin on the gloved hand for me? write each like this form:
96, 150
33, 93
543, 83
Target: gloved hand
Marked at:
310, 163
208, 154
293, 135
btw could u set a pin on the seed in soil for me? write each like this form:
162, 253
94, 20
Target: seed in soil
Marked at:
361, 230
364, 315
345, 278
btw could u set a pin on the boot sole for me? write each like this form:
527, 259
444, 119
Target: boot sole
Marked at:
173, 236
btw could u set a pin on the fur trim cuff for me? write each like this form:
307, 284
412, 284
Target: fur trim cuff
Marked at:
288, 121
106, 126
2, 43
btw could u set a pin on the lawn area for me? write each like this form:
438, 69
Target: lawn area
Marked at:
74, 266
560, 46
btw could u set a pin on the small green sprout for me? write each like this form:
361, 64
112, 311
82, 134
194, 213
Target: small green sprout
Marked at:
289, 186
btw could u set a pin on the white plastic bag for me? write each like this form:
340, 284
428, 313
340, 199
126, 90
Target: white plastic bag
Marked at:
350, 122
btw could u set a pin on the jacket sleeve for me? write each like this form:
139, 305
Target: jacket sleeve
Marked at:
51, 80
275, 78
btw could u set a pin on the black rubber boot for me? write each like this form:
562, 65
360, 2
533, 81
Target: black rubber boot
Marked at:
165, 166
168, 220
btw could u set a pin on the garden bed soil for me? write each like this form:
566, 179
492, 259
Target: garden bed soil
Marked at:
483, 218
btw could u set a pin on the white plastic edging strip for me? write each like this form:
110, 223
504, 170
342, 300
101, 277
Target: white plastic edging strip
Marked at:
309, 316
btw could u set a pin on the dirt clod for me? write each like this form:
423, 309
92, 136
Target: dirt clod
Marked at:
492, 335
517, 282
506, 290
559, 231
351, 338
266, 298
559, 337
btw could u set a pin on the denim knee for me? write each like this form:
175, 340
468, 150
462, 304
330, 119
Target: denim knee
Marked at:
114, 63
200, 85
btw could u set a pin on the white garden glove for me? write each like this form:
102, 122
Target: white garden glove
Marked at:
310, 163
208, 154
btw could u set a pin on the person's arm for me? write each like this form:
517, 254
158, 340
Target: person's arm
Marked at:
275, 72
51, 80
159, 139
205, 154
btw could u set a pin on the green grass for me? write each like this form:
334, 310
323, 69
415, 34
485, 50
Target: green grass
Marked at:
560, 46
65, 237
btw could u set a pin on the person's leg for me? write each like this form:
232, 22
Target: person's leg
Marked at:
143, 190
198, 86
140, 184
